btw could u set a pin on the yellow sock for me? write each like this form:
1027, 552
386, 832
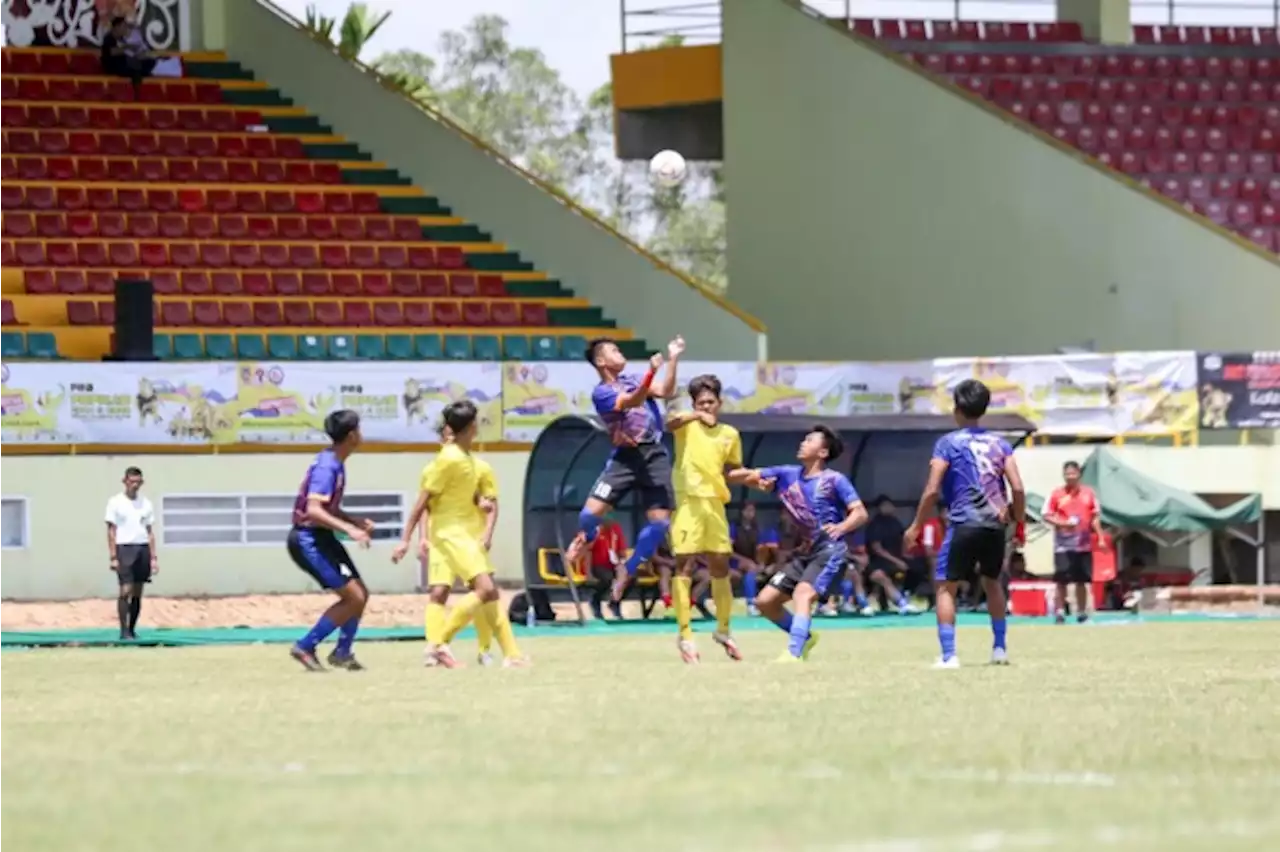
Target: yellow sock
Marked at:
435, 623
463, 612
722, 595
680, 588
484, 633
502, 630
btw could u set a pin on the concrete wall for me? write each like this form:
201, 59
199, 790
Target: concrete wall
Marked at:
558, 240
876, 214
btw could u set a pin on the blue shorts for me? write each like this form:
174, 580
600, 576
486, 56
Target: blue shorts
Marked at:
970, 552
818, 567
320, 554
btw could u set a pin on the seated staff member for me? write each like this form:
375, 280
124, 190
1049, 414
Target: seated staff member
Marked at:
753, 550
885, 547
607, 552
922, 559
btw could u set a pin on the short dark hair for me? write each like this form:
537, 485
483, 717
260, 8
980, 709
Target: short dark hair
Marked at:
132, 471
704, 384
972, 398
593, 347
340, 424
1071, 465
460, 414
830, 440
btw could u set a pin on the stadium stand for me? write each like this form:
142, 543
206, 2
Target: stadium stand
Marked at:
263, 233
1192, 112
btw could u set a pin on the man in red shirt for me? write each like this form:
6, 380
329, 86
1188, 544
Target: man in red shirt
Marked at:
608, 551
923, 557
1075, 516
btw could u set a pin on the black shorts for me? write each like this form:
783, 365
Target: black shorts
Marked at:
646, 467
1073, 567
818, 567
320, 554
970, 552
135, 563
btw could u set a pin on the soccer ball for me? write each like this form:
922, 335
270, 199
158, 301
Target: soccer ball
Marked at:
667, 168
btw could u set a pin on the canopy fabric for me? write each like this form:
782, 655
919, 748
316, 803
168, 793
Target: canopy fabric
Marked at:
1132, 500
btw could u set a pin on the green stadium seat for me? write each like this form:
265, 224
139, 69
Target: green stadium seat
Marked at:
250, 347
457, 347
162, 346
486, 347
573, 347
428, 347
190, 347
282, 346
370, 347
544, 348
399, 347
218, 347
42, 344
12, 344
341, 347
515, 348
311, 347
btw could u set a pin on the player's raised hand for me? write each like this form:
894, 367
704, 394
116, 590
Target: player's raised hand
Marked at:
655, 362
675, 348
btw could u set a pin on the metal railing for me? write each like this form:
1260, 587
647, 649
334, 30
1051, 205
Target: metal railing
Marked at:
646, 22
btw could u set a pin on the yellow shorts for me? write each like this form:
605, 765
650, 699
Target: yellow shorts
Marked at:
463, 558
700, 526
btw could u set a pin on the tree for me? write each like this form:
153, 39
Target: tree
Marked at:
357, 27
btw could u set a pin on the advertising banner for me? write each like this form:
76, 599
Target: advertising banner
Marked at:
1239, 390
905, 387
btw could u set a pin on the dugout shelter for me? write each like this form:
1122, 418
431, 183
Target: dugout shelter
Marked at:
883, 454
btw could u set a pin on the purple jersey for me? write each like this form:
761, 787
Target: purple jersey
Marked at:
327, 476
973, 486
811, 501
630, 427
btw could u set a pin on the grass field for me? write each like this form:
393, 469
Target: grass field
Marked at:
1158, 736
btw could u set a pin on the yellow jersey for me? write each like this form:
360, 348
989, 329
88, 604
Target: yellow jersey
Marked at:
702, 453
486, 486
451, 481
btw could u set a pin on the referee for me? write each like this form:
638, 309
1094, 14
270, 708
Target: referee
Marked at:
131, 545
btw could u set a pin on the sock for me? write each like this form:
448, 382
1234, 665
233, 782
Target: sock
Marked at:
799, 634
647, 544
680, 587
947, 640
488, 617
317, 634
135, 607
122, 612
750, 586
722, 595
589, 524
347, 636
484, 636
435, 620
997, 633
784, 621
903, 600
847, 590
501, 629
463, 611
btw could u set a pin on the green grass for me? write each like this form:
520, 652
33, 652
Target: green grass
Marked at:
1157, 736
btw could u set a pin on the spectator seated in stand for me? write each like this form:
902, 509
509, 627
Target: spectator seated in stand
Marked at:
607, 552
124, 54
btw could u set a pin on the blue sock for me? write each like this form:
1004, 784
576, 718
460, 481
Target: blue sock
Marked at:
589, 524
947, 640
799, 634
846, 589
998, 628
784, 621
347, 635
903, 600
860, 600
317, 634
647, 544
750, 586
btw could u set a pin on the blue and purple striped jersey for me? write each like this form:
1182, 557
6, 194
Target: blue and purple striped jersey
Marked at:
327, 477
632, 426
973, 488
811, 501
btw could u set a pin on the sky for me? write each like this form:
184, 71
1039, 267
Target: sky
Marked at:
577, 36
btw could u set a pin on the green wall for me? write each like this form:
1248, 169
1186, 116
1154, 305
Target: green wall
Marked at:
875, 214
591, 260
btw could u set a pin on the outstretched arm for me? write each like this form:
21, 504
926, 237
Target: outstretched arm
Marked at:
855, 516
637, 397
667, 390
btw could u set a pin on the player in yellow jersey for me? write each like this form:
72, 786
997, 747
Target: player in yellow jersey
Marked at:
708, 459
451, 488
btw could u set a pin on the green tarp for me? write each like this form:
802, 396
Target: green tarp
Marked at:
1133, 500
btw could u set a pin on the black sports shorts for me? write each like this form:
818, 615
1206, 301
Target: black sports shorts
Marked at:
818, 567
135, 563
646, 467
970, 552
1074, 566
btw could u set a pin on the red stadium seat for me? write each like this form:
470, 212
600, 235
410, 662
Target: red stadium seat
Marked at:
246, 254
328, 314
375, 227
333, 256
82, 313
216, 255
175, 314
449, 257
103, 282
113, 225
320, 228
287, 283
377, 284
206, 312
419, 314
267, 314
316, 283
233, 227
256, 284
271, 172
72, 282
196, 283
172, 225
434, 285
239, 314
406, 284
17, 224
291, 228
303, 256
297, 312
387, 313
492, 286
533, 313
387, 257
447, 313
274, 255
226, 283
504, 314
345, 283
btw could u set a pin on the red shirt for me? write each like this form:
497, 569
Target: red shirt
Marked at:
1080, 504
930, 540
610, 543
1104, 559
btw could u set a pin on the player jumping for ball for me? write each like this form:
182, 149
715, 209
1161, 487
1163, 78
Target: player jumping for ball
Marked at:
627, 406
825, 508
969, 469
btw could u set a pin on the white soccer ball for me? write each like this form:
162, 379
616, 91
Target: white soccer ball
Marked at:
667, 168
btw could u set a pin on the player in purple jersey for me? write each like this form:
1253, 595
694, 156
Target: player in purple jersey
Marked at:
628, 406
825, 508
969, 470
314, 546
